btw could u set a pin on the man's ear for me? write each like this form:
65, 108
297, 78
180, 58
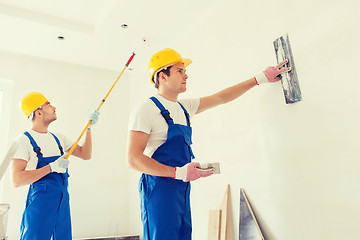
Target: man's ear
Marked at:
37, 113
162, 76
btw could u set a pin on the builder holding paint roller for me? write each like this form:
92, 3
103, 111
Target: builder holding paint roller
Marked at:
159, 144
40, 161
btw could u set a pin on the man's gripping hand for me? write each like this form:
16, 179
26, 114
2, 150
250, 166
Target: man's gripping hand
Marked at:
93, 117
272, 74
191, 172
60, 165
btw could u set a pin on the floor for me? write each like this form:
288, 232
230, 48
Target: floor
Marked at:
115, 238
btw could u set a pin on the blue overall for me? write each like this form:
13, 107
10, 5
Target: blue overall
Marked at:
165, 202
47, 211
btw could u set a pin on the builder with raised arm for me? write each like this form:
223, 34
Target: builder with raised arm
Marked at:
40, 161
159, 144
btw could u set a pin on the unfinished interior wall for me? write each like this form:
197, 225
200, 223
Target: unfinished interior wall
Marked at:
297, 163
97, 190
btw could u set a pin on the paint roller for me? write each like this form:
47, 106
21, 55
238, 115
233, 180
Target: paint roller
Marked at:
143, 41
289, 80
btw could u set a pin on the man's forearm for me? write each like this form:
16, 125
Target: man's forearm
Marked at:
84, 151
227, 95
87, 146
145, 164
27, 177
231, 93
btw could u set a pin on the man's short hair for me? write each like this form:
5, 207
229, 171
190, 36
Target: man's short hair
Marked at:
166, 71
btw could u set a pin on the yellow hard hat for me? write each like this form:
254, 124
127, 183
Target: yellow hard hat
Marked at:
30, 102
164, 58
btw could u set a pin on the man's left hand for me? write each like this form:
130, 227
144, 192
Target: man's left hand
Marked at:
94, 117
272, 74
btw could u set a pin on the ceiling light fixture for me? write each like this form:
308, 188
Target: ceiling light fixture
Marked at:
61, 37
124, 25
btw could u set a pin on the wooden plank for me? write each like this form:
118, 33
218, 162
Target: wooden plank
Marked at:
224, 214
214, 225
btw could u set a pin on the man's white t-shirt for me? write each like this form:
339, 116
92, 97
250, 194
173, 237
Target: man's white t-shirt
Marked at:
45, 141
147, 118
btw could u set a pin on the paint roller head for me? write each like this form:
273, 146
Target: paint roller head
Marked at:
137, 49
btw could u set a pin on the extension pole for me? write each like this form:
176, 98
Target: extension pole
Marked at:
100, 105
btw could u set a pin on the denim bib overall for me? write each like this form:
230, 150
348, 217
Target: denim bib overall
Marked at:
165, 202
47, 211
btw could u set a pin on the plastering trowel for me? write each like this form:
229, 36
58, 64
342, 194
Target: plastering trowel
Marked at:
208, 166
289, 80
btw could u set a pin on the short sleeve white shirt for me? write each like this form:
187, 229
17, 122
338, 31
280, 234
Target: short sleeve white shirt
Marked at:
45, 141
146, 117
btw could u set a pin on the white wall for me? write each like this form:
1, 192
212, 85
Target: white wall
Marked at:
5, 110
297, 163
98, 188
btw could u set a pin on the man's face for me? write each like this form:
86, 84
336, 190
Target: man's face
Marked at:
177, 79
48, 112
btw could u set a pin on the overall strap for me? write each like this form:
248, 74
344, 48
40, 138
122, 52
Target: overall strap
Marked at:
164, 112
186, 115
58, 143
36, 148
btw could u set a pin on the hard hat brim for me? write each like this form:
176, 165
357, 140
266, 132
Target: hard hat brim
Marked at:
186, 62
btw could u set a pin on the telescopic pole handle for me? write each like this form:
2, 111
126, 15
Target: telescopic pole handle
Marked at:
100, 105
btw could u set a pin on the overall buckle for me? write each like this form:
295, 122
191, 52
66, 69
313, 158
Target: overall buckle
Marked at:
166, 115
38, 151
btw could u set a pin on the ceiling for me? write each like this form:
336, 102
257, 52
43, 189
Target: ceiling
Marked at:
92, 29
